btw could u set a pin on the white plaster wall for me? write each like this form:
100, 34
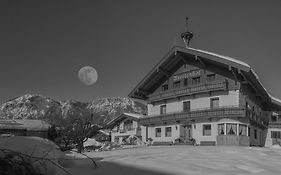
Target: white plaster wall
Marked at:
197, 132
231, 99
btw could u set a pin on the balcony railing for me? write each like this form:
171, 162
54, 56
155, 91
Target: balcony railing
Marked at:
274, 125
196, 114
193, 89
256, 119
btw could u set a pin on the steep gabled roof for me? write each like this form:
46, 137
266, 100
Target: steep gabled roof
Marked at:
177, 56
121, 117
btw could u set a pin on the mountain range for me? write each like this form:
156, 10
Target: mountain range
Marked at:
32, 106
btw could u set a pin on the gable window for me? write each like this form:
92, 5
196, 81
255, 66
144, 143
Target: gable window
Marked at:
186, 106
176, 84
196, 80
185, 82
211, 77
165, 87
163, 109
128, 125
185, 66
207, 130
157, 132
214, 103
168, 131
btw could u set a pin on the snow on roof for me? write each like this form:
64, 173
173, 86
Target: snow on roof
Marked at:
221, 56
241, 63
134, 115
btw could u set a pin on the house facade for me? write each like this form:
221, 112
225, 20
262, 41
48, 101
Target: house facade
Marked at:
124, 126
216, 100
274, 131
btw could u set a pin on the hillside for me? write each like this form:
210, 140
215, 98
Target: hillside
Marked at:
39, 107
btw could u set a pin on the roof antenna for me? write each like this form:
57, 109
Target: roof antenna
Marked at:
186, 36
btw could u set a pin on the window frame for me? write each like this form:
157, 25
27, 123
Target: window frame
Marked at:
166, 131
204, 130
176, 84
183, 106
195, 80
158, 132
162, 112
212, 104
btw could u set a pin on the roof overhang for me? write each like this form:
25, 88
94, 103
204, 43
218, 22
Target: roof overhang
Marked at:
120, 118
177, 56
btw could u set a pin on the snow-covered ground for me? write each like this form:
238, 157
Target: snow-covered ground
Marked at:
168, 160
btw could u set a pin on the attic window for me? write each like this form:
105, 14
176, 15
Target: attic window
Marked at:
196, 80
176, 84
211, 77
165, 87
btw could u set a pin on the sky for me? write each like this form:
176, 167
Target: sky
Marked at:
43, 44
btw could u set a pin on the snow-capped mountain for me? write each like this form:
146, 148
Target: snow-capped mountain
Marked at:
39, 107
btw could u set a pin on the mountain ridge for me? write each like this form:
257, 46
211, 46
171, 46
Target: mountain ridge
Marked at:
36, 106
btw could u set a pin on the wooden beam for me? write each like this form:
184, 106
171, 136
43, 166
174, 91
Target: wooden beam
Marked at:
197, 58
248, 82
184, 60
166, 73
234, 73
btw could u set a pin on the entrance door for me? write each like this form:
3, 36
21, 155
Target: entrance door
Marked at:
187, 132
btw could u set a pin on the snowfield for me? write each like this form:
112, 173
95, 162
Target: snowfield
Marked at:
168, 160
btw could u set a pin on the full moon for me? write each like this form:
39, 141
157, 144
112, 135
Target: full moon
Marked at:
88, 75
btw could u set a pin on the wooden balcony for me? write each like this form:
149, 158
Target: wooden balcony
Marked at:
274, 125
193, 89
193, 115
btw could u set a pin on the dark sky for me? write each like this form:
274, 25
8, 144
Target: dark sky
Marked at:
43, 44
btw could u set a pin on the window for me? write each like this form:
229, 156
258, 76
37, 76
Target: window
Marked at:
255, 134
249, 132
165, 87
231, 129
163, 109
221, 129
242, 130
207, 130
196, 80
211, 77
276, 134
186, 106
157, 132
128, 125
253, 112
176, 84
185, 82
185, 66
214, 103
274, 118
168, 131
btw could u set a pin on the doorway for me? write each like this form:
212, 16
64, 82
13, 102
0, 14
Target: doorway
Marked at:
187, 132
